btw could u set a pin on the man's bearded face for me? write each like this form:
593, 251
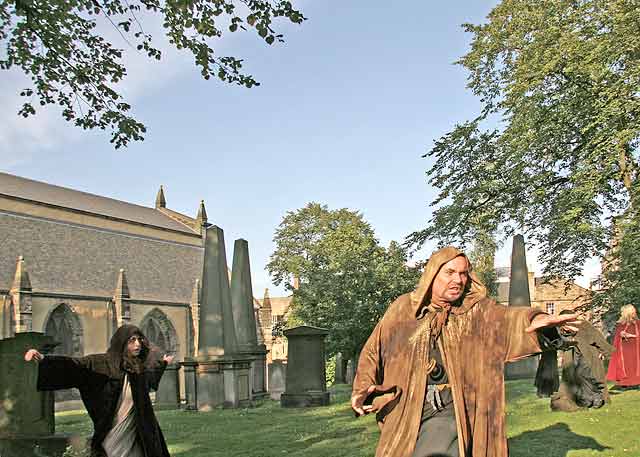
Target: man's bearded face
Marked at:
450, 281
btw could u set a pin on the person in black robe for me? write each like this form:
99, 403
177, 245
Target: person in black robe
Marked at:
114, 387
583, 376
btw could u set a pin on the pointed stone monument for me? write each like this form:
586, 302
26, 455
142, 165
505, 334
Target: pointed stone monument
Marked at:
519, 296
244, 318
222, 375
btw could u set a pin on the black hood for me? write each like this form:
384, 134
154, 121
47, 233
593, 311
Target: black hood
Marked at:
120, 339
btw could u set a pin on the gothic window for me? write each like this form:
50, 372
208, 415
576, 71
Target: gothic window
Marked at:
154, 333
159, 330
65, 328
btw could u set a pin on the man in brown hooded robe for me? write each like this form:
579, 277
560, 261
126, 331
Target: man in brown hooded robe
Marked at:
114, 387
433, 368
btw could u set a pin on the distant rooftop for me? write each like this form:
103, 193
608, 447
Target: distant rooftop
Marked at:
49, 194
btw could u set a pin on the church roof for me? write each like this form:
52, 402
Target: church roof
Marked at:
62, 197
71, 259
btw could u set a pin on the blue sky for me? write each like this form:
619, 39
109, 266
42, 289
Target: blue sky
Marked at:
345, 110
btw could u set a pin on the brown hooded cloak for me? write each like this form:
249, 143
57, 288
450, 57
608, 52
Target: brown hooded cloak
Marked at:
477, 340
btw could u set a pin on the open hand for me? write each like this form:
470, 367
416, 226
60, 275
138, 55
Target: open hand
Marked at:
357, 402
565, 322
33, 354
167, 358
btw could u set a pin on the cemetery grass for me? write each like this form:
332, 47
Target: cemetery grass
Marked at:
271, 431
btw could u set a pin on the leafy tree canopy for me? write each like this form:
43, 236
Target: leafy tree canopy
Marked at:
346, 279
560, 79
482, 257
57, 44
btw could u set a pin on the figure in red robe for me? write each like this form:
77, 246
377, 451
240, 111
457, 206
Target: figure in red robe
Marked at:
624, 367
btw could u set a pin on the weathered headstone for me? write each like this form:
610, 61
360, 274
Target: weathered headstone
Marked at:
244, 318
168, 394
277, 379
27, 423
222, 376
339, 370
306, 383
351, 372
519, 296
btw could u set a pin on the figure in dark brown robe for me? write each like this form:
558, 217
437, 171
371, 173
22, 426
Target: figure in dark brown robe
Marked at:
114, 388
583, 375
474, 338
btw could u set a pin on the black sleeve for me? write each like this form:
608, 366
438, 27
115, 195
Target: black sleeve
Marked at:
550, 339
154, 374
61, 372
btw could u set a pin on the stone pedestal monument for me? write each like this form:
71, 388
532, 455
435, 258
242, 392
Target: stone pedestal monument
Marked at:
222, 375
27, 423
306, 383
168, 394
244, 318
519, 296
339, 370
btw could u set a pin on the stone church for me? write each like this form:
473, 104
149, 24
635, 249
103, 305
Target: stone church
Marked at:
75, 266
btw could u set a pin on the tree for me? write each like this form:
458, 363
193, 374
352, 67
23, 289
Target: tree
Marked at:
620, 282
346, 279
560, 78
71, 64
482, 257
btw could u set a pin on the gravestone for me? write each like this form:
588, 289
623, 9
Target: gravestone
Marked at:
277, 377
339, 370
27, 423
519, 296
351, 372
168, 394
306, 381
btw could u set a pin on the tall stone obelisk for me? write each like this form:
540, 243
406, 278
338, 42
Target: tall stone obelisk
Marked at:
519, 296
222, 375
244, 318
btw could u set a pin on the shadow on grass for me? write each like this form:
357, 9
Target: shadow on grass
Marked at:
553, 441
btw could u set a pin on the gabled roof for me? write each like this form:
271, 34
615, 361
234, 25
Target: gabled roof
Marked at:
62, 197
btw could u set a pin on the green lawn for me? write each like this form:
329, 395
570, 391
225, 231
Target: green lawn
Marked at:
270, 431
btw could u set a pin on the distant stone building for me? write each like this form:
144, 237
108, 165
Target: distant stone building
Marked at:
272, 315
76, 266
552, 297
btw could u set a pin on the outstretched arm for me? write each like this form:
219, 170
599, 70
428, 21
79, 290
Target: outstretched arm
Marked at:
59, 372
530, 331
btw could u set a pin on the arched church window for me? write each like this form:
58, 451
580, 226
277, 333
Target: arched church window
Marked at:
64, 326
154, 333
159, 330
